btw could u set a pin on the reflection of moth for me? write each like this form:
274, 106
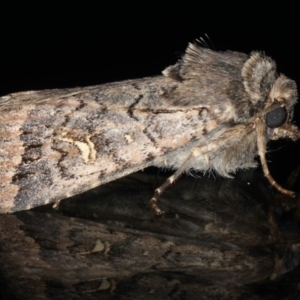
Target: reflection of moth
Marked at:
215, 242
211, 111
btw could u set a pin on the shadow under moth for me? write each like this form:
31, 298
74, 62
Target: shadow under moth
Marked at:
212, 111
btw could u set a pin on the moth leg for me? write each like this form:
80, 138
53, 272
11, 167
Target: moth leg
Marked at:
185, 166
261, 145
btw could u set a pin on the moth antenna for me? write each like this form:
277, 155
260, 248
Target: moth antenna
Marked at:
261, 147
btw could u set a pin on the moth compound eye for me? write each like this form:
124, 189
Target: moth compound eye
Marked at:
276, 117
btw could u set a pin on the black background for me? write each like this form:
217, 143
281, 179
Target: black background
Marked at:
56, 46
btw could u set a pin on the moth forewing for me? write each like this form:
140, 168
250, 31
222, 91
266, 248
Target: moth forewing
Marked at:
56, 144
209, 112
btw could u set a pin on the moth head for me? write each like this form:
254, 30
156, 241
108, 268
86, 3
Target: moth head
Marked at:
260, 80
279, 108
275, 95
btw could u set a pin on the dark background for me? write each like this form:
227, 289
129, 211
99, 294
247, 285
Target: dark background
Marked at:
52, 46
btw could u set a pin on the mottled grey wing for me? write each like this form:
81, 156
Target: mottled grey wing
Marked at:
57, 143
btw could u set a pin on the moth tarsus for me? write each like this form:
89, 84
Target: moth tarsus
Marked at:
211, 111
169, 181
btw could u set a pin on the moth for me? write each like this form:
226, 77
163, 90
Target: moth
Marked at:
211, 111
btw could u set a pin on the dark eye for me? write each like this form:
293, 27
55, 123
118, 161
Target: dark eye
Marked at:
276, 117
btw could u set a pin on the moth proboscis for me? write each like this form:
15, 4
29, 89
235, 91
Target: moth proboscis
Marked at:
211, 111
